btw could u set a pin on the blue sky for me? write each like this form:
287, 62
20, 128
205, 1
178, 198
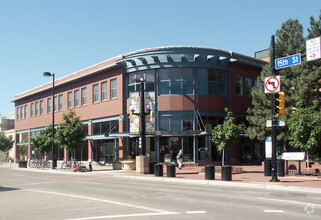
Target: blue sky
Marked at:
64, 36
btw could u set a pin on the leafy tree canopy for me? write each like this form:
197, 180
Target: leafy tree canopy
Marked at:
224, 134
43, 142
305, 129
6, 143
300, 83
69, 132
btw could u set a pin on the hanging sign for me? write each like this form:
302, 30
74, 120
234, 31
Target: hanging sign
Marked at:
272, 84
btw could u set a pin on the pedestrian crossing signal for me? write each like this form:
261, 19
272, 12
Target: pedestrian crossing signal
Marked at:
278, 104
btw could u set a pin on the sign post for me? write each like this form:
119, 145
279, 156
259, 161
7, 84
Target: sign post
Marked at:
273, 171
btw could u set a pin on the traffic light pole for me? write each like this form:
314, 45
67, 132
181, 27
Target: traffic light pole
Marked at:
274, 121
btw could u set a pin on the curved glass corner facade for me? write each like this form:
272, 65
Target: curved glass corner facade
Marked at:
185, 72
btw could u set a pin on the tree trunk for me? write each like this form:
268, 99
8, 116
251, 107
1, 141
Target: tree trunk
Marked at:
223, 157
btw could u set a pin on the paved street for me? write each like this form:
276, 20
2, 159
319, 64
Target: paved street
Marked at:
41, 195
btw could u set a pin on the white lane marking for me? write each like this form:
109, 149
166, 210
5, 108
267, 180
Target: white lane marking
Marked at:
195, 212
124, 216
274, 211
290, 201
103, 200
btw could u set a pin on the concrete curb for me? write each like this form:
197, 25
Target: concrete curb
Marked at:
124, 174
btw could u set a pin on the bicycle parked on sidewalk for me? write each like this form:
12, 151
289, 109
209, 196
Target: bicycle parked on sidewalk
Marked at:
39, 163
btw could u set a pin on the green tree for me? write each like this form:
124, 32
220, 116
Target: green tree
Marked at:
6, 143
315, 27
43, 142
22, 151
225, 134
69, 132
297, 82
305, 129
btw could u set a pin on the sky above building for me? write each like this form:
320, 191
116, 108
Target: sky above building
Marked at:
64, 36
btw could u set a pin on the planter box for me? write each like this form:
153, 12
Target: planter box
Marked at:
117, 166
129, 165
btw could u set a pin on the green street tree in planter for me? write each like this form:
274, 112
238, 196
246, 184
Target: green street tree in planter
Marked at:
305, 129
43, 142
6, 143
69, 132
224, 135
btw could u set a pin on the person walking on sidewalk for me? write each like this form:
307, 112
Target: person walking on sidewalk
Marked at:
179, 158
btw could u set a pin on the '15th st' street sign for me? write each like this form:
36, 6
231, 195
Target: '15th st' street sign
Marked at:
288, 61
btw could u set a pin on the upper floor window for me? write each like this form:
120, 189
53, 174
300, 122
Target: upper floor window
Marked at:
37, 109
69, 100
60, 102
95, 93
55, 104
248, 87
32, 109
77, 101
134, 86
104, 91
239, 85
26, 111
21, 112
113, 88
211, 82
176, 81
49, 105
41, 107
84, 96
18, 113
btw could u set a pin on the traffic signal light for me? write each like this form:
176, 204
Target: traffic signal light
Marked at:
278, 104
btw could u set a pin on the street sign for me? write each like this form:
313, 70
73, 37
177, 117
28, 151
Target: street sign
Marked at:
313, 49
268, 147
272, 84
288, 61
293, 156
279, 123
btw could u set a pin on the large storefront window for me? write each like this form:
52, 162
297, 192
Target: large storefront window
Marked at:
105, 151
176, 81
176, 121
134, 148
105, 127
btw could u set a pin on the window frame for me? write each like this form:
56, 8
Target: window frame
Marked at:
113, 88
69, 100
95, 90
84, 97
76, 98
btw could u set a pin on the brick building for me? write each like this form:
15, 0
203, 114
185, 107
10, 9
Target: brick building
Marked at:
186, 90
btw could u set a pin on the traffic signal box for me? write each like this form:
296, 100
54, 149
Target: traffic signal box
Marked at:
278, 104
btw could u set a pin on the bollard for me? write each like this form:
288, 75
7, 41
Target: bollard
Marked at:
267, 167
90, 166
152, 167
227, 173
171, 170
158, 168
280, 167
209, 172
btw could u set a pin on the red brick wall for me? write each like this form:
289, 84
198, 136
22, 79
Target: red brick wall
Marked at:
90, 111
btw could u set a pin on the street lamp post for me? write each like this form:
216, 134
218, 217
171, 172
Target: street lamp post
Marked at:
142, 117
48, 74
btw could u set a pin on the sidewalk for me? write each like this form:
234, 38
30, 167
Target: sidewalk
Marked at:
249, 176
